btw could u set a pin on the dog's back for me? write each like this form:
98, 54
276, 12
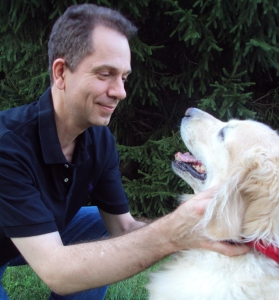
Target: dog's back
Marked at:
205, 275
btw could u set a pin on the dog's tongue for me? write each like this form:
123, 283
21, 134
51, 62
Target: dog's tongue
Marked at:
187, 158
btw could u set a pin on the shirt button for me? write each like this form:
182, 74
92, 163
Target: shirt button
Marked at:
66, 166
66, 179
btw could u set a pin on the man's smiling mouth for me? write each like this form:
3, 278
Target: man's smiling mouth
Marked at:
109, 108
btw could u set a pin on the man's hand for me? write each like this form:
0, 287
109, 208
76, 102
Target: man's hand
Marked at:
189, 233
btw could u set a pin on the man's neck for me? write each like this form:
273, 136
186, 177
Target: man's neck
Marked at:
66, 131
68, 151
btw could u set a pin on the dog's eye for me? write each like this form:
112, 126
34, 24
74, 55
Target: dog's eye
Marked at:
221, 134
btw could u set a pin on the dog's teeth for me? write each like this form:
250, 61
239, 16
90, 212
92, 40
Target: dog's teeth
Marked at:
177, 156
200, 169
203, 170
188, 158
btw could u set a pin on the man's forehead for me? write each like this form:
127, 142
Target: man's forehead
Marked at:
113, 68
111, 50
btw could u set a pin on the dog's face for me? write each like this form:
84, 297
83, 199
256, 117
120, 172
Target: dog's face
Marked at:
243, 158
203, 136
218, 146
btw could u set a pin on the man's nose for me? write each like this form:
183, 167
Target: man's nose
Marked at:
117, 89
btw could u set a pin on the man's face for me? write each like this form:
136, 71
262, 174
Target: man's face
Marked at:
94, 89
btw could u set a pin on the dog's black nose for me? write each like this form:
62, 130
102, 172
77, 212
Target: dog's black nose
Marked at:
189, 112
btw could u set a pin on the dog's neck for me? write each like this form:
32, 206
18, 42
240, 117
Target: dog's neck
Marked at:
268, 250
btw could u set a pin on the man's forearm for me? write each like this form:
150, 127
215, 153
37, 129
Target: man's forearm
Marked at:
69, 269
88, 265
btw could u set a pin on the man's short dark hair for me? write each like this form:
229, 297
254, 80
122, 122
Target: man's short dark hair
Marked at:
71, 36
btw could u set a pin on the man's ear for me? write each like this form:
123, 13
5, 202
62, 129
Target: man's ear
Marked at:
58, 72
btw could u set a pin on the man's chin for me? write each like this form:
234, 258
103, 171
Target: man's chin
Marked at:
101, 121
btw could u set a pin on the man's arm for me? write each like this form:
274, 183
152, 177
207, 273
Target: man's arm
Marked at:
69, 269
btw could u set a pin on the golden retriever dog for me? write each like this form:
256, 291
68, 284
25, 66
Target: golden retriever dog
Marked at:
242, 157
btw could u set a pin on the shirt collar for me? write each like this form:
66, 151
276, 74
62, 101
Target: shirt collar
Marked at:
51, 149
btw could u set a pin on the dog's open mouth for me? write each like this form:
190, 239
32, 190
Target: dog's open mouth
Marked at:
188, 163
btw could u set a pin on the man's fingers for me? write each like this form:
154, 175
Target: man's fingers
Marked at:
206, 195
194, 209
210, 193
200, 201
226, 248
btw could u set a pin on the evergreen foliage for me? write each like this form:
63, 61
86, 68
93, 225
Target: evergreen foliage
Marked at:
219, 55
153, 190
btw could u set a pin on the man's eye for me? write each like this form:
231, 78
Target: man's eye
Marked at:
104, 74
125, 79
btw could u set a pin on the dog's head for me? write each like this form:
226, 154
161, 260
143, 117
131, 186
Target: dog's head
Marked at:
243, 158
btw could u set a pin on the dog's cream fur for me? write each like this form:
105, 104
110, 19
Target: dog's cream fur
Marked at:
243, 158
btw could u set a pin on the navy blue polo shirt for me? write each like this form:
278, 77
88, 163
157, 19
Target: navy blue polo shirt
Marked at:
40, 191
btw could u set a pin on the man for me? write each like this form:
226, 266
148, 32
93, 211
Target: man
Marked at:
58, 151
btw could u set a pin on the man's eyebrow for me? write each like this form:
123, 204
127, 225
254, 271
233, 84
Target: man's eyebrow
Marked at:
111, 68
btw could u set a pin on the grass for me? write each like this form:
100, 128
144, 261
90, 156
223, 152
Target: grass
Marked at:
21, 283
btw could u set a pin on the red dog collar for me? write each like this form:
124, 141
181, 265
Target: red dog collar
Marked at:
269, 251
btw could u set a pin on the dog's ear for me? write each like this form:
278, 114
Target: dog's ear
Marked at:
247, 204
